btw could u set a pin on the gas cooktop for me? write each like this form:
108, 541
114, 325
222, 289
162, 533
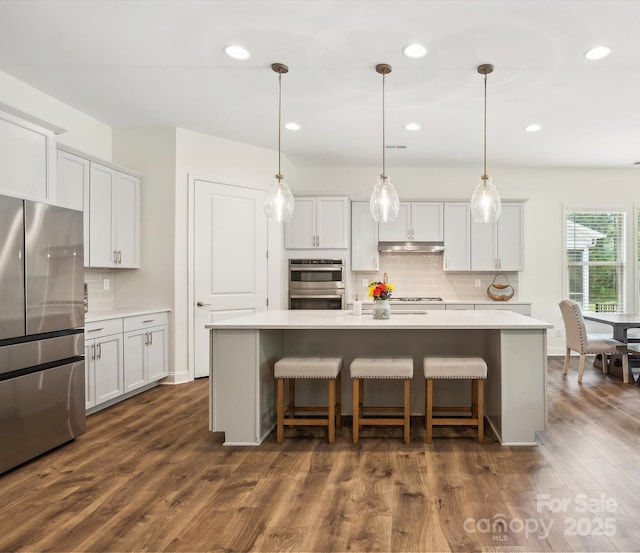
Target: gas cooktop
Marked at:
417, 299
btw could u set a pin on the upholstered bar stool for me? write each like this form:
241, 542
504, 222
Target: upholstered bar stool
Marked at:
293, 368
456, 368
365, 368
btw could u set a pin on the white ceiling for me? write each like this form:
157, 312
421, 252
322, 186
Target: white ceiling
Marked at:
132, 63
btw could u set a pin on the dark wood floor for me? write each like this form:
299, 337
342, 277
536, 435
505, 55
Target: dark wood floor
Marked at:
148, 476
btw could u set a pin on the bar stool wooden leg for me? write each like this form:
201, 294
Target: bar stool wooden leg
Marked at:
292, 399
339, 401
280, 421
429, 411
407, 411
480, 404
356, 409
474, 399
331, 423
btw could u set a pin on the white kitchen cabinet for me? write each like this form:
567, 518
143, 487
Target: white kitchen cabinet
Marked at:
421, 221
319, 222
364, 238
457, 236
499, 246
145, 349
114, 204
72, 189
27, 160
103, 361
124, 356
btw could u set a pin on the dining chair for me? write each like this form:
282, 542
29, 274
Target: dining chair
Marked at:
578, 340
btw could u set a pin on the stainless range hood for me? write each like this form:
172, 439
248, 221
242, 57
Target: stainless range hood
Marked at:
411, 247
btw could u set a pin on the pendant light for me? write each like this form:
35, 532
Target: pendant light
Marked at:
485, 202
278, 203
384, 203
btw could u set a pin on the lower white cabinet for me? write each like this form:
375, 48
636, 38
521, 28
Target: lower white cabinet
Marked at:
124, 354
104, 378
145, 350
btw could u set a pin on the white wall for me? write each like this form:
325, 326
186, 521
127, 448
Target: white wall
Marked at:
206, 157
167, 157
81, 131
546, 192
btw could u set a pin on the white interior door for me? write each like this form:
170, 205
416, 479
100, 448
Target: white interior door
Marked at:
230, 259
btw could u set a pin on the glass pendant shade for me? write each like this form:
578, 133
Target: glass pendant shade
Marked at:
279, 203
485, 202
384, 203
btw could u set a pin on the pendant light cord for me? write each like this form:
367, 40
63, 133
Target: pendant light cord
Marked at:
279, 175
384, 173
484, 175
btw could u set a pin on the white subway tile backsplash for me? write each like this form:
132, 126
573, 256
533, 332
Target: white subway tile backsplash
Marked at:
422, 275
99, 298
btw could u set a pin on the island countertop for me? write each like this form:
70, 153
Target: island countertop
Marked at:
431, 319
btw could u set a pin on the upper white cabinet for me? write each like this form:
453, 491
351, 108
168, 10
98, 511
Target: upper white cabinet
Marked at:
72, 189
421, 221
364, 238
27, 160
319, 222
470, 246
499, 246
110, 200
457, 237
114, 203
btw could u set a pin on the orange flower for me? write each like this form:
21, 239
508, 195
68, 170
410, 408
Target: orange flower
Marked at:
380, 290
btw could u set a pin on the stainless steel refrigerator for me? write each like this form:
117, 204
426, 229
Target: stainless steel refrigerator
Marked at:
41, 329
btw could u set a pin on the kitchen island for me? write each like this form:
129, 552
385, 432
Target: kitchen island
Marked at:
244, 350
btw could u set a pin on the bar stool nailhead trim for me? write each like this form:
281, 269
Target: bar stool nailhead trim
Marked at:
398, 368
455, 368
328, 368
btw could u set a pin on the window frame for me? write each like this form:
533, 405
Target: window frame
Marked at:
628, 248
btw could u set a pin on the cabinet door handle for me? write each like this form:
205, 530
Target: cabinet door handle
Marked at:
150, 338
96, 329
148, 321
99, 351
146, 338
120, 257
93, 352
318, 241
115, 257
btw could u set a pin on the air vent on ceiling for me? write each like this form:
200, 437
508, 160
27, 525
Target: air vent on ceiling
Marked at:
396, 147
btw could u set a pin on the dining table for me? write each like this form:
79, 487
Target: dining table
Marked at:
621, 323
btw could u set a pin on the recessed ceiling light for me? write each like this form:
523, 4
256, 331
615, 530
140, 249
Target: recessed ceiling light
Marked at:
237, 52
597, 53
415, 51
534, 127
292, 126
412, 127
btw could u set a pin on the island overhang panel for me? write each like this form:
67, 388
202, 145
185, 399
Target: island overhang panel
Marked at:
244, 349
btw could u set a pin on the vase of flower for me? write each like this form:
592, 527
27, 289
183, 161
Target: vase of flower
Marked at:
380, 292
381, 309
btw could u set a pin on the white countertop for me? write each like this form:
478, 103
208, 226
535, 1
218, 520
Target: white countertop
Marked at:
481, 301
93, 316
435, 319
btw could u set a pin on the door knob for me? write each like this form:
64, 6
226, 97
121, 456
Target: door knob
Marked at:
202, 304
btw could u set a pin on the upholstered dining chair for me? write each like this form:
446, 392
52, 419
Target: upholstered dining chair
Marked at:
578, 340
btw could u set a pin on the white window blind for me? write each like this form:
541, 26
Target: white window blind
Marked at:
595, 259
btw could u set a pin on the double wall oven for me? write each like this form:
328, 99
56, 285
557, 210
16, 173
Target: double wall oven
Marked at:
316, 284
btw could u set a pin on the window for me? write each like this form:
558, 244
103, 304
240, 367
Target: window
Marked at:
595, 259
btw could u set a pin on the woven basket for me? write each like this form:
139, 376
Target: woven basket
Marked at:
500, 289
